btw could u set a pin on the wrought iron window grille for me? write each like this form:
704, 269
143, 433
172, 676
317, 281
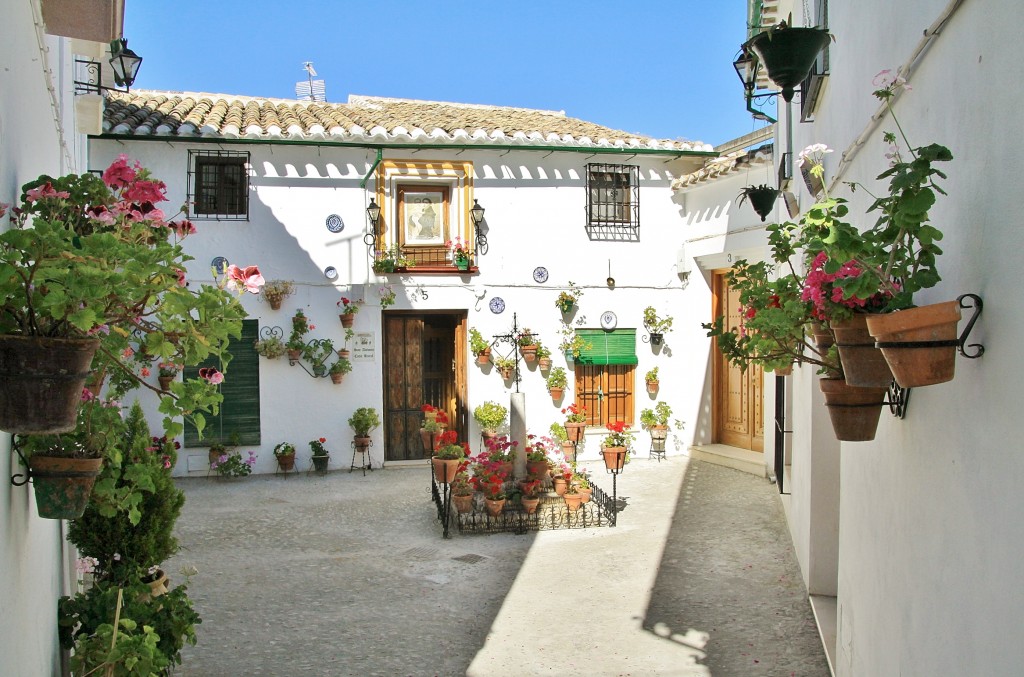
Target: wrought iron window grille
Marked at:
218, 185
613, 202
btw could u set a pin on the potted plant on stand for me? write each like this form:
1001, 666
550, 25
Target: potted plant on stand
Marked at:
480, 347
575, 422
462, 491
616, 444
448, 456
231, 465
655, 421
320, 456
491, 417
556, 383
271, 347
285, 455
363, 421
505, 366
527, 345
276, 291
656, 326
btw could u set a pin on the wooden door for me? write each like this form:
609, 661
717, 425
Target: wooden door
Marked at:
738, 396
424, 364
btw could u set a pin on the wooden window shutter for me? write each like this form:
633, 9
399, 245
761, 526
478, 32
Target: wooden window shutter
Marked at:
240, 410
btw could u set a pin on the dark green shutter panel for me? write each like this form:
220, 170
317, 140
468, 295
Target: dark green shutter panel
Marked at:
240, 411
608, 347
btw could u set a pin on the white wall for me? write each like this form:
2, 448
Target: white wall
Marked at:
535, 215
930, 532
32, 550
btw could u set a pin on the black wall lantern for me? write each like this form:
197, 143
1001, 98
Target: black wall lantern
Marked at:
788, 54
124, 62
476, 212
370, 239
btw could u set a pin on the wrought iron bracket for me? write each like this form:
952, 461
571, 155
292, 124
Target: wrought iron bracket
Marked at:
317, 368
898, 400
481, 239
959, 343
20, 479
511, 338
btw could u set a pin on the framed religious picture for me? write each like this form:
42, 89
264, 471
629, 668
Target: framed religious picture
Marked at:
423, 215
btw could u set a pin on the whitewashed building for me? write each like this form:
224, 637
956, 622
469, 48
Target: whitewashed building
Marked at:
286, 185
909, 544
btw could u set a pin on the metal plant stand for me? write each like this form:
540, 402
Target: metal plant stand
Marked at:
365, 463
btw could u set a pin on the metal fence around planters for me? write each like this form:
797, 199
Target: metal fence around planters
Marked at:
552, 513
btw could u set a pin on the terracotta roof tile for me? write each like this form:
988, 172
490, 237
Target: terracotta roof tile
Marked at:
185, 114
720, 167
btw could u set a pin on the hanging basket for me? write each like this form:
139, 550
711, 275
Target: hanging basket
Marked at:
657, 338
63, 485
919, 343
762, 199
864, 365
788, 54
347, 320
286, 462
854, 411
41, 381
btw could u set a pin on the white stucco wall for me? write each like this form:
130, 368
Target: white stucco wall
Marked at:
930, 538
535, 216
34, 557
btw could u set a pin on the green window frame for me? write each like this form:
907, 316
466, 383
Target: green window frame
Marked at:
240, 410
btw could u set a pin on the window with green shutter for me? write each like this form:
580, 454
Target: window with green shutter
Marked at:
605, 374
240, 411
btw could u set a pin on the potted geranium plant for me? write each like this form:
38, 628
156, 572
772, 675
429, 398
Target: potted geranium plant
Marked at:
448, 456
527, 343
285, 455
347, 309
490, 416
575, 422
556, 382
615, 446
652, 381
67, 295
167, 372
656, 325
459, 252
319, 456
276, 291
568, 298
297, 339
230, 465
363, 421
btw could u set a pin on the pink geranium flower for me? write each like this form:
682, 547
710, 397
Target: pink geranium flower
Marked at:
146, 191
119, 174
45, 191
249, 278
211, 375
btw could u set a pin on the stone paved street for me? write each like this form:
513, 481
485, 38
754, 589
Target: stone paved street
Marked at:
349, 575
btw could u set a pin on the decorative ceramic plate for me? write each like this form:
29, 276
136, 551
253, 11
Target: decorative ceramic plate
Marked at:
540, 274
335, 224
220, 264
609, 320
497, 305
330, 272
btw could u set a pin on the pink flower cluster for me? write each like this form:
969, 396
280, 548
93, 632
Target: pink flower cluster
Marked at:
821, 292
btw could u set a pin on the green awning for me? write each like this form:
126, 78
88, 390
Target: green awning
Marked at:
608, 347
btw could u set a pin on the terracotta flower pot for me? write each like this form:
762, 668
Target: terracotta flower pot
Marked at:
586, 493
574, 431
864, 365
659, 432
463, 503
854, 411
913, 365
537, 468
347, 320
63, 485
165, 381
294, 355
823, 339
41, 381
484, 358
529, 353
275, 303
445, 469
573, 501
652, 386
362, 442
560, 485
556, 393
568, 449
494, 506
286, 462
337, 378
530, 504
544, 363
614, 457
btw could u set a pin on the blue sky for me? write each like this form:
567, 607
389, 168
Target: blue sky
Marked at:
661, 68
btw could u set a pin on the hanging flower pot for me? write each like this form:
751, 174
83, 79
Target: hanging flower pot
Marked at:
347, 320
614, 457
556, 393
788, 54
41, 381
657, 338
63, 485
483, 357
908, 337
762, 199
529, 352
864, 365
854, 411
652, 386
574, 431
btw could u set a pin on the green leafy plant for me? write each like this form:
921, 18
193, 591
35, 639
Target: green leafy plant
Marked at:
391, 259
557, 431
364, 420
477, 343
504, 363
568, 298
572, 343
658, 416
318, 448
654, 323
449, 447
300, 327
490, 415
526, 338
341, 366
276, 291
651, 376
557, 378
233, 465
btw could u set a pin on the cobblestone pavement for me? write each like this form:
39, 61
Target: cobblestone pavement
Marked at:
348, 575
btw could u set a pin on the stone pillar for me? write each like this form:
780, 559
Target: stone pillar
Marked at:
517, 429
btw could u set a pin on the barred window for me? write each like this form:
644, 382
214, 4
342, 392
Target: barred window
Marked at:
218, 184
613, 202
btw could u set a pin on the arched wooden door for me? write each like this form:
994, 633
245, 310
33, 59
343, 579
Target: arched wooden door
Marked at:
738, 395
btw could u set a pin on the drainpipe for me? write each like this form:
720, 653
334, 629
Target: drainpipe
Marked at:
373, 167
